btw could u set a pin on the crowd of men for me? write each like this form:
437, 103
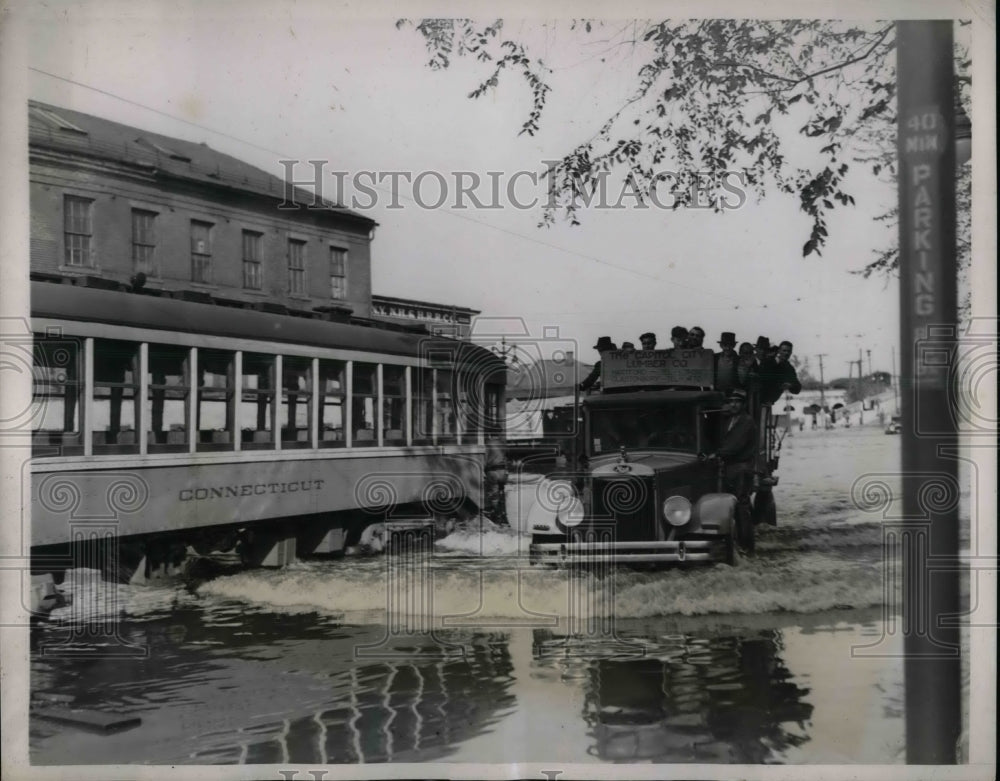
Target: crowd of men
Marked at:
762, 371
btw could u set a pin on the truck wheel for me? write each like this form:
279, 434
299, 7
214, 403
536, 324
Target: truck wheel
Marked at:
764, 510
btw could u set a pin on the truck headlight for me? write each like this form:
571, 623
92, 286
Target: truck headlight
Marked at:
677, 510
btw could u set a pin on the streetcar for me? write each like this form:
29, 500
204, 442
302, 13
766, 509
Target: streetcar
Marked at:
647, 493
162, 425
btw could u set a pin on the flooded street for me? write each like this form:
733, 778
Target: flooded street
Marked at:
792, 656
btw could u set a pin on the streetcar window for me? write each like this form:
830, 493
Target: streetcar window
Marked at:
116, 387
364, 398
256, 409
470, 403
331, 404
444, 411
394, 411
422, 386
215, 400
296, 402
56, 392
494, 409
169, 391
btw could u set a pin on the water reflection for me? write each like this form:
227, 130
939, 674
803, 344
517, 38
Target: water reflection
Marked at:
266, 688
679, 698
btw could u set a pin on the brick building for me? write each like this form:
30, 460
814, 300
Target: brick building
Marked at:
110, 202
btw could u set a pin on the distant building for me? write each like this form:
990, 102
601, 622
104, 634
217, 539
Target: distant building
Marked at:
115, 206
438, 319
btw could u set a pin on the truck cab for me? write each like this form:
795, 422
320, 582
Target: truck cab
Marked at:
646, 492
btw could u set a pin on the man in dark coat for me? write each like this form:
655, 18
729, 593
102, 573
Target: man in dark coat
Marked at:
603, 345
778, 375
726, 363
738, 448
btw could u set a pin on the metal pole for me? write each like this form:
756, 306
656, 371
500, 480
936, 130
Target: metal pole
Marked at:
822, 384
895, 381
928, 330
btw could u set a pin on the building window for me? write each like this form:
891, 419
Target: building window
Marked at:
144, 242
338, 273
201, 251
79, 230
251, 260
296, 267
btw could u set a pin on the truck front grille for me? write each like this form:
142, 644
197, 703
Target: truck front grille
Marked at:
630, 504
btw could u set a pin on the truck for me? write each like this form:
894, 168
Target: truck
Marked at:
645, 490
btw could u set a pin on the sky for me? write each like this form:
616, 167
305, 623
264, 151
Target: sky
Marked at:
266, 82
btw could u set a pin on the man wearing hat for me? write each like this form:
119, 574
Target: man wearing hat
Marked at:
648, 341
778, 375
726, 363
604, 344
696, 338
738, 448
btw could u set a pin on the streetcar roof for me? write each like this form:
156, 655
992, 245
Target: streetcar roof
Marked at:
118, 308
649, 397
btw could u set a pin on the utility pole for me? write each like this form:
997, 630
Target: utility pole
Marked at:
822, 384
892, 379
870, 372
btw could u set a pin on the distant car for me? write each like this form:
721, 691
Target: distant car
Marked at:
894, 426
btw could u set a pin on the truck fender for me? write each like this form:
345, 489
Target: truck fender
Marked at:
714, 513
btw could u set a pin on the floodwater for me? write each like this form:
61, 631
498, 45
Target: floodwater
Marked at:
471, 655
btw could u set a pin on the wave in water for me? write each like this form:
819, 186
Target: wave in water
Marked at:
463, 591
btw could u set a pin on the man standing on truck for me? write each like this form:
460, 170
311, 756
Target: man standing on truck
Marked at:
604, 344
738, 450
726, 363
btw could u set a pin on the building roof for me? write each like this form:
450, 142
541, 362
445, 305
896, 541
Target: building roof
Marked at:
65, 130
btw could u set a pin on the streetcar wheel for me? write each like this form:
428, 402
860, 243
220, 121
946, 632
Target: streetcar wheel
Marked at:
764, 510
